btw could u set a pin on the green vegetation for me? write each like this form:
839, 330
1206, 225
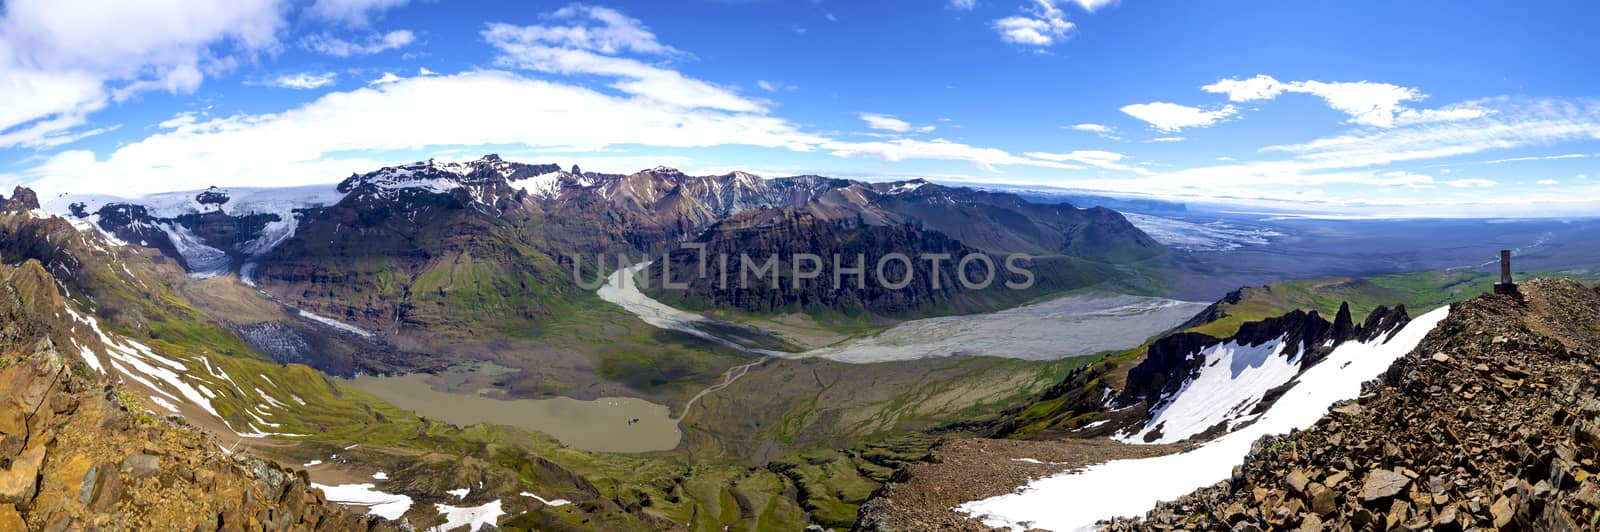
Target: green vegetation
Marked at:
1418, 291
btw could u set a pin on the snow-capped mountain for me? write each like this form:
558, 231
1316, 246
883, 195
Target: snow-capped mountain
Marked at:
209, 231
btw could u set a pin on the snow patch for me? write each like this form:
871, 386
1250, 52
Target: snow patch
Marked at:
386, 505
337, 324
1232, 381
472, 517
548, 502
163, 403
460, 493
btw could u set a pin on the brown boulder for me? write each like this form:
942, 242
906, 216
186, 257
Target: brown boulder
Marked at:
1382, 484
21, 482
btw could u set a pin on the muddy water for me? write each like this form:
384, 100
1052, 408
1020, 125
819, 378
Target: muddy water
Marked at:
598, 425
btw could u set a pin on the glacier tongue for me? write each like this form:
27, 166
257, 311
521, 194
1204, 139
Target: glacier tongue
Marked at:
1125, 488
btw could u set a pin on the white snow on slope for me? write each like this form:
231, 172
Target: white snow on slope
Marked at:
1121, 488
337, 324
386, 505
1191, 236
460, 493
471, 517
548, 502
542, 185
1232, 380
163, 403
125, 354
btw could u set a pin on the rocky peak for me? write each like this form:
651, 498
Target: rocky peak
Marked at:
22, 199
482, 178
212, 196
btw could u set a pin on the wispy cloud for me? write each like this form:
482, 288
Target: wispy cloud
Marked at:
325, 43
885, 122
986, 159
303, 80
1096, 158
590, 41
1171, 117
1367, 103
1104, 131
353, 12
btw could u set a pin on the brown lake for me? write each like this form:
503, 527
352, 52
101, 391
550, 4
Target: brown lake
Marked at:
598, 425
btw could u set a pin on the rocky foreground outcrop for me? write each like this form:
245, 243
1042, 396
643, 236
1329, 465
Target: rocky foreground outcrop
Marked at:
1492, 423
79, 454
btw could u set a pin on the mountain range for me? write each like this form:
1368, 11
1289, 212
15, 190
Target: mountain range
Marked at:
446, 249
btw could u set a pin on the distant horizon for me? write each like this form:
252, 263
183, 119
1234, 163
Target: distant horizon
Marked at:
1226, 206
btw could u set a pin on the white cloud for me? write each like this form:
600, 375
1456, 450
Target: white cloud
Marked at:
1405, 179
354, 12
940, 149
1092, 5
387, 77
885, 122
423, 71
65, 59
1096, 158
1105, 132
1367, 103
596, 29
374, 43
1512, 124
1171, 117
965, 5
1548, 182
1542, 158
304, 80
1167, 139
773, 86
586, 47
1471, 183
313, 143
1042, 25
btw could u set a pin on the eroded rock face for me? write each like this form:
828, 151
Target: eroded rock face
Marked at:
76, 453
1493, 422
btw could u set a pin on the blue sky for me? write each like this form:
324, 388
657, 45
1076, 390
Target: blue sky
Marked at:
1367, 108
